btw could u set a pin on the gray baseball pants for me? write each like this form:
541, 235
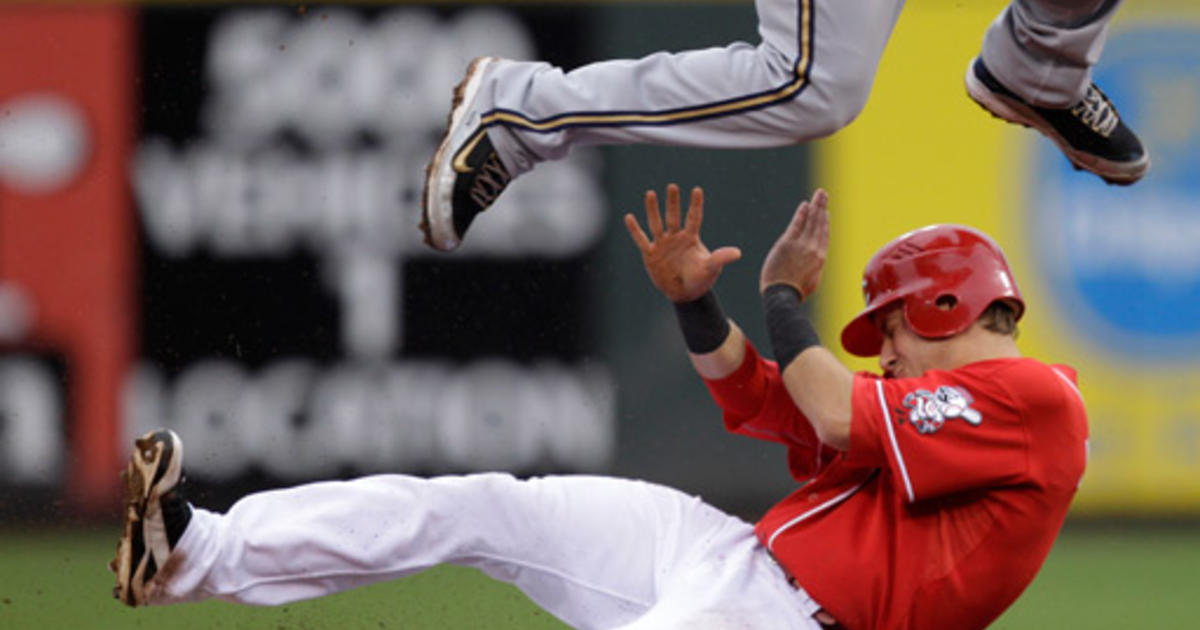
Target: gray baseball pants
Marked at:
810, 76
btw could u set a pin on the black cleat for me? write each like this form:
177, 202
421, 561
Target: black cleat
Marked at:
1091, 134
465, 175
156, 514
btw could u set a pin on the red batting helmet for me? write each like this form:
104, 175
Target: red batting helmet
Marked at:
930, 269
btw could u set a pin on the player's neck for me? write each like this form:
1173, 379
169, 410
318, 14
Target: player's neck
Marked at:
979, 344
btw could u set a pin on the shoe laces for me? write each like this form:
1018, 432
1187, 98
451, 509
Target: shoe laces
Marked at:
1097, 112
490, 180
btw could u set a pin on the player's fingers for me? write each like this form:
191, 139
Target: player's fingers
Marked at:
653, 218
695, 214
672, 208
820, 199
819, 210
812, 226
635, 232
823, 238
796, 228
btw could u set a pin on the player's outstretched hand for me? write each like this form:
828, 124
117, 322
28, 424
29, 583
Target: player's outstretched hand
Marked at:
799, 254
677, 261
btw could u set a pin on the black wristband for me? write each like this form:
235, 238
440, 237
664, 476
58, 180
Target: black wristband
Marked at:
703, 323
790, 330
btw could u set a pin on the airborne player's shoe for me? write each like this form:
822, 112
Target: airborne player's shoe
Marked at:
1091, 134
156, 515
465, 175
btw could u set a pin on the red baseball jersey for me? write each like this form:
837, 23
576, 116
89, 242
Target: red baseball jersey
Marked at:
945, 506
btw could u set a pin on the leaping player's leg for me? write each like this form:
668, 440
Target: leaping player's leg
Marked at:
809, 76
1036, 70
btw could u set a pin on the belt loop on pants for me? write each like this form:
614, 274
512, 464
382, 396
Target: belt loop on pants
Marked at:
827, 621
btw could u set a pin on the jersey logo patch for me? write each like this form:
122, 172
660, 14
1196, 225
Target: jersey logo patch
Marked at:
928, 411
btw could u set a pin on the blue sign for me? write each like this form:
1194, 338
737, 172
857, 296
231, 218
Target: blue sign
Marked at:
1124, 262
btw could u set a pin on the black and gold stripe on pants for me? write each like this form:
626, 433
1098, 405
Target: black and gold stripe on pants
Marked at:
728, 107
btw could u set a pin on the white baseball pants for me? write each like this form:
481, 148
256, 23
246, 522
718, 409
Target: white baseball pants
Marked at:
596, 552
810, 76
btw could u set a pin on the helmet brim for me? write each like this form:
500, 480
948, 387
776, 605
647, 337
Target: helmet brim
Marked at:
861, 337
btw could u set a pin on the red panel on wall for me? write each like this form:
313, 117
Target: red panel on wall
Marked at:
66, 217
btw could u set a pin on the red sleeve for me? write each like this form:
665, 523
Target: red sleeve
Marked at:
756, 404
942, 433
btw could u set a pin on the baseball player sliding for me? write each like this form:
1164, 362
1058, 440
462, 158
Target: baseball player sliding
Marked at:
930, 495
809, 77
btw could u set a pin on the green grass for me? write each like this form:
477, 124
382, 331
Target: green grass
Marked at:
1095, 579
60, 580
1118, 578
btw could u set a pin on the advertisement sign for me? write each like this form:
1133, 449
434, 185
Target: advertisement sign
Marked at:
1111, 275
296, 327
208, 221
67, 245
1121, 273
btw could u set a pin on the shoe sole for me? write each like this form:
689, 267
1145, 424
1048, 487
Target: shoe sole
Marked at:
144, 476
1016, 112
437, 208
